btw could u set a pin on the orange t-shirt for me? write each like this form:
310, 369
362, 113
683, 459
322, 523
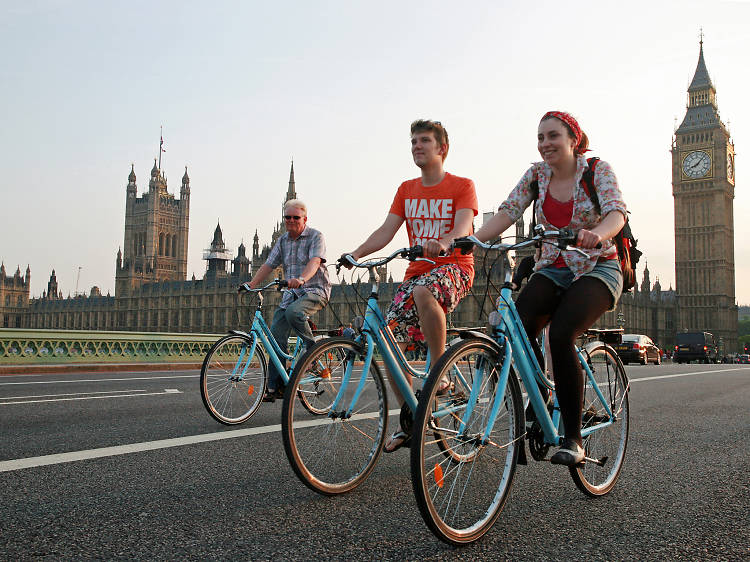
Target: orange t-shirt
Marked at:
429, 213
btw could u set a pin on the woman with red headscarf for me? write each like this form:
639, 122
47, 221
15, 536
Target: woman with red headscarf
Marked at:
567, 290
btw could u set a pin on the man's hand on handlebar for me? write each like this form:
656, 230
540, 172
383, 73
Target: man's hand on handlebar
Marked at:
294, 283
432, 248
344, 260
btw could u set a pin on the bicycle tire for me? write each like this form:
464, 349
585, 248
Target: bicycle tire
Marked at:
461, 495
232, 383
332, 455
610, 443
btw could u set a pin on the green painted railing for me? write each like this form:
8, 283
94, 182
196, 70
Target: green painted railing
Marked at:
24, 347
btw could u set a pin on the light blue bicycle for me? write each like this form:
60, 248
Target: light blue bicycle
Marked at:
234, 374
461, 493
333, 454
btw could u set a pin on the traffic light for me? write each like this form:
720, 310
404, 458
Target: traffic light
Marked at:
747, 348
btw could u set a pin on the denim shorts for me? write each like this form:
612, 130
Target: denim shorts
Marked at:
607, 271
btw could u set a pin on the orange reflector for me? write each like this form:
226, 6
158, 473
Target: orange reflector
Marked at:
438, 475
325, 373
250, 389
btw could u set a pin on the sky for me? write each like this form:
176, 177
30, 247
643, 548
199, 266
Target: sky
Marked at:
243, 88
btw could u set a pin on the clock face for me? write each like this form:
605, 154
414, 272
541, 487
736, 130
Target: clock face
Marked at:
696, 164
730, 166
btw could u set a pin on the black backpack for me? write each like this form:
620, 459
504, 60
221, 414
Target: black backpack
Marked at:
625, 242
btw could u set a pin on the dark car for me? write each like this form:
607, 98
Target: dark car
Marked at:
695, 346
638, 348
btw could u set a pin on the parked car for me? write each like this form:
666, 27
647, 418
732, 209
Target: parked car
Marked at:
637, 347
744, 358
695, 346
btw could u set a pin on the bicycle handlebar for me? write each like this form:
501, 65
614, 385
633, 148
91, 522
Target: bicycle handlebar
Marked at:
280, 283
564, 237
413, 253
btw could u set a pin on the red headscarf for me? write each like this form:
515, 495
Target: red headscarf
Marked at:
570, 121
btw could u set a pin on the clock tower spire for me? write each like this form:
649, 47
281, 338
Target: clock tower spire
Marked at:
703, 191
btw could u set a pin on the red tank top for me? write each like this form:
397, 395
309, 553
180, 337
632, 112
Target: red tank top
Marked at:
558, 214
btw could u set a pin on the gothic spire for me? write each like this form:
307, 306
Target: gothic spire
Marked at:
701, 79
291, 193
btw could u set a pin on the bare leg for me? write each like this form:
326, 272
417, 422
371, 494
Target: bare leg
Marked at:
431, 321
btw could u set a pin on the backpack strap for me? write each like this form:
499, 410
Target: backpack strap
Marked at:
587, 181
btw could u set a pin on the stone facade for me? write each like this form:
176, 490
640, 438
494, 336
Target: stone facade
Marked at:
14, 297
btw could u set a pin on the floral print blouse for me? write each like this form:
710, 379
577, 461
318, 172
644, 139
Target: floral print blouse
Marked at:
584, 212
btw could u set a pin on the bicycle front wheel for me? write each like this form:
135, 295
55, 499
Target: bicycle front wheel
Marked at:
233, 379
606, 445
461, 480
333, 454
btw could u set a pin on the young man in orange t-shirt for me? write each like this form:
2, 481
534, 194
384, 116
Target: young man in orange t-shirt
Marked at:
437, 208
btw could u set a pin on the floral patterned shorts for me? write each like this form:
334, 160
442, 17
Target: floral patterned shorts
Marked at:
447, 283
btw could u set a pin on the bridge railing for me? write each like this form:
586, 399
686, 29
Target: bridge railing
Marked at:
81, 346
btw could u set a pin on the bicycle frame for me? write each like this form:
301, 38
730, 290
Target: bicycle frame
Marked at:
263, 334
509, 334
375, 332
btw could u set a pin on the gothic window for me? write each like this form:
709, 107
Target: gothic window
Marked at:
7, 300
161, 243
174, 246
20, 301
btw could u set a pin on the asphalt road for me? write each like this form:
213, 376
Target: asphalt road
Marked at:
140, 471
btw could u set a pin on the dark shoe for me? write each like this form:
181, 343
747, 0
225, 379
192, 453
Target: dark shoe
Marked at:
396, 441
569, 454
272, 395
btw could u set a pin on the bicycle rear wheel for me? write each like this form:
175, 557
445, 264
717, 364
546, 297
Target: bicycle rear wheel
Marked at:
233, 380
318, 391
333, 454
609, 443
461, 483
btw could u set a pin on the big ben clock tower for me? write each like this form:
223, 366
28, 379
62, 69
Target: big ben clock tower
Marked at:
703, 190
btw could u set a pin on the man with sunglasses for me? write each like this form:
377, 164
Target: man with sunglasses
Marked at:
301, 251
436, 207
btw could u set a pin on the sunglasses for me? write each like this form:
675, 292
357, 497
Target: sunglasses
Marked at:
292, 217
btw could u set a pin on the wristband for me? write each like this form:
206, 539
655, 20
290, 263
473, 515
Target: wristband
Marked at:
301, 280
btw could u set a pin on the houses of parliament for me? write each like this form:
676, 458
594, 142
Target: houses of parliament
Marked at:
152, 292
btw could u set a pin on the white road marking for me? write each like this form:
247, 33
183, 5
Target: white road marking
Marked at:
2, 403
45, 460
642, 379
68, 394
99, 380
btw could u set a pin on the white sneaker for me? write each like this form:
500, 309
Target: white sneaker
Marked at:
570, 453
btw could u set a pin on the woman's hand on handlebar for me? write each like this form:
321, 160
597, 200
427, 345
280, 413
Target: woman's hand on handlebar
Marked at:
588, 239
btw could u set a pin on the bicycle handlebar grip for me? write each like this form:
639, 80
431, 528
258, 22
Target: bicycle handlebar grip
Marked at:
243, 287
415, 252
465, 245
283, 283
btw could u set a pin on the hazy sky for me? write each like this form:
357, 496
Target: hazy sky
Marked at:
242, 88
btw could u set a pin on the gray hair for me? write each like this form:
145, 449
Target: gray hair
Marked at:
295, 203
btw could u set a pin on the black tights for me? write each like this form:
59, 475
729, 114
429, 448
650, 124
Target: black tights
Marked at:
569, 314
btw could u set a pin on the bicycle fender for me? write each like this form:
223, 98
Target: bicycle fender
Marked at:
466, 334
239, 333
